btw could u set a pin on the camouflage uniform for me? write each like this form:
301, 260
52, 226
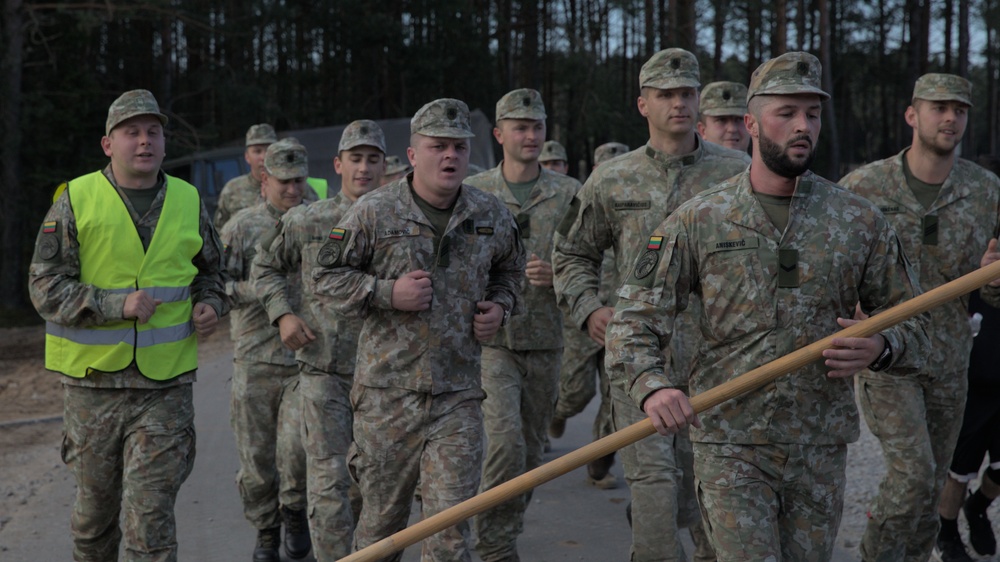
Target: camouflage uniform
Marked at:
117, 423
582, 360
326, 365
243, 191
724, 250
769, 464
619, 205
582, 357
521, 363
917, 419
265, 410
417, 384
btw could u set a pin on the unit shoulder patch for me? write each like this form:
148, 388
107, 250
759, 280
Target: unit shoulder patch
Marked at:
329, 254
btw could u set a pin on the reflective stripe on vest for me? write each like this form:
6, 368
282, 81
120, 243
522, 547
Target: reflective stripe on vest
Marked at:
112, 258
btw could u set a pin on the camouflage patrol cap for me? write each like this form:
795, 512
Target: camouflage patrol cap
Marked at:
131, 104
286, 159
788, 74
394, 165
445, 117
609, 150
523, 103
723, 98
552, 150
670, 68
261, 133
363, 132
943, 87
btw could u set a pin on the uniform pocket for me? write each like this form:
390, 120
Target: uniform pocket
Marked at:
732, 287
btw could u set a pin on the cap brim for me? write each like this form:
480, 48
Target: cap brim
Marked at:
300, 172
945, 97
671, 84
447, 133
163, 119
257, 142
351, 145
523, 115
790, 90
724, 111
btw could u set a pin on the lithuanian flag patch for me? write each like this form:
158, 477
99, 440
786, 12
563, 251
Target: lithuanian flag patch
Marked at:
337, 233
49, 227
654, 243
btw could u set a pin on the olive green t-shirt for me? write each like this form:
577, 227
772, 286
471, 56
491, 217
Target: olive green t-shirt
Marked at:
439, 217
521, 190
142, 200
776, 207
925, 193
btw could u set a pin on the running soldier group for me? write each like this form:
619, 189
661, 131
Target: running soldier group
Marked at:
420, 336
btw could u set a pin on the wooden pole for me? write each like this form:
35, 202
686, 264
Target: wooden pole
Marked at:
746, 382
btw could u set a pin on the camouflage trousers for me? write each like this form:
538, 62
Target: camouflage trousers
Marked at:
583, 359
521, 391
129, 451
266, 416
402, 438
917, 420
326, 437
659, 474
771, 502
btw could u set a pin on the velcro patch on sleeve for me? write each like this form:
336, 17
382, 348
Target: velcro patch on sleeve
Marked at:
570, 217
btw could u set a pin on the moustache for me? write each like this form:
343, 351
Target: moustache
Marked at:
800, 138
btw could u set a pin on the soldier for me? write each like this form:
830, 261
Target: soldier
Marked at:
583, 360
553, 157
245, 191
720, 115
521, 363
122, 308
395, 168
619, 205
265, 409
325, 342
778, 257
944, 210
434, 267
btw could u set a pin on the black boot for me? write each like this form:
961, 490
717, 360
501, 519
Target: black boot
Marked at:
268, 541
297, 541
949, 547
981, 534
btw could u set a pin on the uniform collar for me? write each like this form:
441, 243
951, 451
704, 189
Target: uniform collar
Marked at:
669, 161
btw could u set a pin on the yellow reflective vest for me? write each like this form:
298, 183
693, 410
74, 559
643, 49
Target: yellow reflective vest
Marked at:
319, 185
112, 258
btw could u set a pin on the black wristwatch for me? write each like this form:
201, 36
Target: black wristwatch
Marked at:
884, 359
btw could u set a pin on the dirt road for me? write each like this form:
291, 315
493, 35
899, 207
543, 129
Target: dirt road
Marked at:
567, 519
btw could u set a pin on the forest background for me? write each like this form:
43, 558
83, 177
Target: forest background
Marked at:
217, 66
